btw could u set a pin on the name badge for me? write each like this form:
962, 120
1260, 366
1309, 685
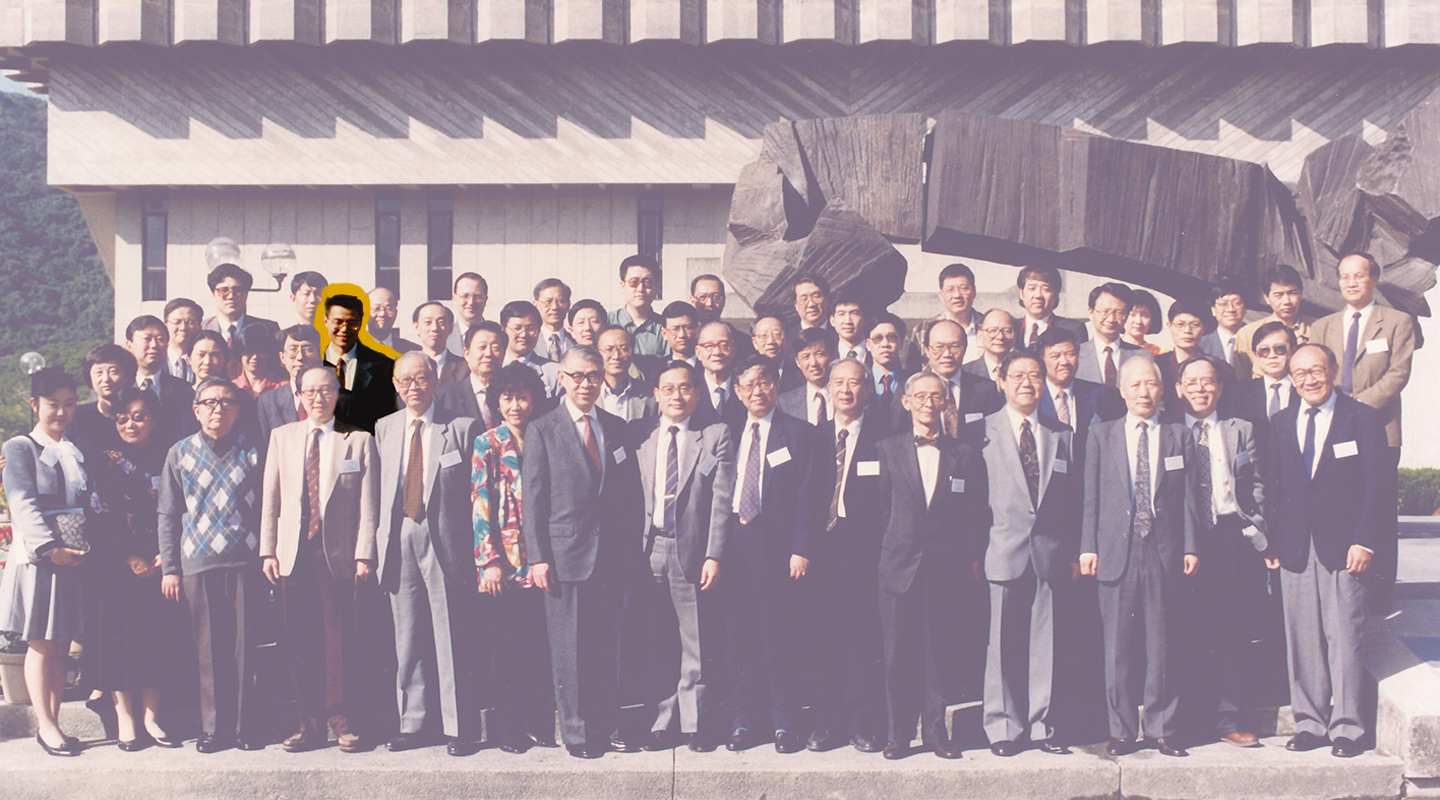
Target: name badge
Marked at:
1174, 462
708, 464
1241, 460
350, 465
865, 469
1377, 346
1061, 467
778, 457
1346, 449
450, 459
619, 455
155, 483
972, 417
957, 485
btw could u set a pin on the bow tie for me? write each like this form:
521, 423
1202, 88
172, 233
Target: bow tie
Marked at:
927, 441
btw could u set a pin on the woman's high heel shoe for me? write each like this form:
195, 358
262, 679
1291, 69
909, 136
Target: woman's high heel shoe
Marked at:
70, 748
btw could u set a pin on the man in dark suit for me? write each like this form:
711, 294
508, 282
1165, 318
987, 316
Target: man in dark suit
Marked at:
687, 473
933, 492
147, 338
1103, 351
384, 312
1039, 288
843, 611
997, 339
1259, 399
812, 306
1067, 399
1329, 455
767, 338
777, 528
1227, 306
366, 391
968, 396
582, 530
484, 345
230, 286
282, 405
716, 350
1138, 536
887, 345
434, 324
1034, 540
814, 350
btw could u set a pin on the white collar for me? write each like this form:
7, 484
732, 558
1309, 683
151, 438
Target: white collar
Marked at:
1327, 407
1131, 421
328, 426
576, 413
1017, 419
764, 421
1211, 419
427, 417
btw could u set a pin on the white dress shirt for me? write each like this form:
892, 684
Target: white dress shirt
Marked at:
852, 434
812, 406
929, 457
1347, 319
1227, 343
479, 390
427, 421
742, 464
662, 451
859, 351
1322, 427
348, 361
1069, 400
1285, 387
327, 466
729, 386
1100, 354
1017, 420
154, 380
576, 414
440, 361
1222, 480
1132, 442
1044, 323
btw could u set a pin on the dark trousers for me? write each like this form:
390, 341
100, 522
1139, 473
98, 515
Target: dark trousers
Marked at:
919, 652
844, 621
582, 618
1136, 612
221, 602
763, 636
518, 662
320, 637
1227, 606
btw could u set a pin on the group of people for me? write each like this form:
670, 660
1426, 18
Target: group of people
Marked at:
674, 533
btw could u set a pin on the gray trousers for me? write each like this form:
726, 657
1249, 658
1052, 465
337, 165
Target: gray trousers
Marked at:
1020, 660
431, 647
696, 640
1324, 631
1135, 613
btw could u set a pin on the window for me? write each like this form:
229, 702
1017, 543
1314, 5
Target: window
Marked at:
387, 241
440, 243
649, 224
154, 217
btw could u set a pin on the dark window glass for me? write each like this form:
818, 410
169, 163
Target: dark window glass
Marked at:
649, 224
387, 241
440, 245
154, 234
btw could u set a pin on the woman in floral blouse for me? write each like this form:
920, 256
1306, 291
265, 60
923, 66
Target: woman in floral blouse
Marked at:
519, 651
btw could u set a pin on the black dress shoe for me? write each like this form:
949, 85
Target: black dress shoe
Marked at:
702, 742
947, 750
542, 739
582, 751
411, 741
740, 739
1052, 747
66, 749
212, 743
1346, 748
1167, 747
788, 742
250, 745
140, 742
895, 751
1304, 742
515, 744
820, 741
866, 744
659, 740
456, 746
1006, 748
1121, 747
625, 743
168, 742
104, 708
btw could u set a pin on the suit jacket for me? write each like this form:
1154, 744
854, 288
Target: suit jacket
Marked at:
213, 323
978, 398
1094, 403
1211, 345
862, 513
1105, 527
372, 394
1089, 367
946, 532
446, 493
705, 408
177, 398
274, 409
1381, 374
576, 520
638, 401
459, 399
704, 515
455, 369
549, 372
1075, 326
1343, 504
399, 345
350, 500
796, 401
1024, 535
789, 522
1247, 400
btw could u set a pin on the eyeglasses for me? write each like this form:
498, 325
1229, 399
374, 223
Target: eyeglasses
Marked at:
584, 377
928, 399
471, 298
1113, 313
954, 348
1277, 350
617, 350
231, 291
1023, 377
325, 391
1318, 373
1188, 327
768, 337
724, 347
883, 338
551, 302
418, 380
688, 330
998, 331
637, 283
213, 404
139, 418
762, 384
1231, 303
684, 390
1199, 383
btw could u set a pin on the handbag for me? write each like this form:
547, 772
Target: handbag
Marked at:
68, 525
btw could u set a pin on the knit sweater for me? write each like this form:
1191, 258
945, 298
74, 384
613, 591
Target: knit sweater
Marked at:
209, 504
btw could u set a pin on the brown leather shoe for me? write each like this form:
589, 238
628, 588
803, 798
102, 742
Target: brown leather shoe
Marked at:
1241, 739
1168, 747
303, 741
948, 750
896, 750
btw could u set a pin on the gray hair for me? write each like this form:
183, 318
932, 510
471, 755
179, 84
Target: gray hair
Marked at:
910, 381
864, 370
214, 381
412, 357
1130, 366
582, 353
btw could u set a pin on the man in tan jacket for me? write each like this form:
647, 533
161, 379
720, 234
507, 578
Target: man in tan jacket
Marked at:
317, 540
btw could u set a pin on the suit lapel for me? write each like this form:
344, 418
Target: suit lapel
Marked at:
1048, 442
1373, 329
648, 455
910, 465
1339, 432
689, 458
435, 443
948, 457
336, 455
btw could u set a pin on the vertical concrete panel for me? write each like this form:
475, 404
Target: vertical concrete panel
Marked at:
360, 254
1113, 21
414, 236
892, 20
1264, 21
1411, 22
1189, 21
197, 20
808, 19
499, 20
1037, 21
119, 21
422, 20
661, 20
347, 20
272, 20
754, 20
589, 20
962, 20
45, 21
127, 258
1339, 22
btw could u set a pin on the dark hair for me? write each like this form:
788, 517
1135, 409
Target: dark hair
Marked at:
474, 276
810, 277
210, 336
1214, 363
767, 367
255, 340
182, 302
1224, 288
1272, 327
691, 372
519, 308
131, 394
515, 377
817, 335
224, 271
639, 260
46, 382
1055, 335
606, 328
581, 305
679, 309
300, 333
1140, 297
885, 317
487, 325
1330, 354
930, 326
706, 277
589, 354
850, 295
145, 322
758, 319
1043, 272
449, 315
1194, 309
1283, 274
552, 283
216, 380
309, 278
1018, 354
1119, 291
1374, 263
956, 270
114, 354
346, 301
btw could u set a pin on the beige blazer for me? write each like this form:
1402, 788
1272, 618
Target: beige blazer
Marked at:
1381, 369
350, 499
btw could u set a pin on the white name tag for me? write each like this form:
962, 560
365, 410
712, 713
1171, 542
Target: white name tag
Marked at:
778, 457
1377, 346
1062, 467
972, 417
155, 483
619, 455
450, 458
1346, 449
1174, 462
353, 465
957, 485
1241, 460
865, 469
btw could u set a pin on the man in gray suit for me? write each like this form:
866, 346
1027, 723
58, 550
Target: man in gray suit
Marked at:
282, 405
1034, 546
582, 530
1137, 535
425, 542
1102, 351
688, 477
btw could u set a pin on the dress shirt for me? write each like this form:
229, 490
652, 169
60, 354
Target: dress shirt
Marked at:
729, 386
301, 412
1285, 387
662, 450
955, 393
1347, 319
1100, 354
154, 382
1322, 426
992, 366
327, 466
878, 373
479, 390
1132, 441
440, 361
427, 421
743, 462
810, 407
1228, 341
348, 360
1017, 419
576, 414
1044, 323
1069, 400
853, 434
859, 351
542, 345
929, 457
616, 401
1222, 480
178, 365
648, 339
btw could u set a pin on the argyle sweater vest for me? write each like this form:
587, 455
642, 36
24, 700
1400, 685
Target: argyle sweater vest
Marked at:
222, 503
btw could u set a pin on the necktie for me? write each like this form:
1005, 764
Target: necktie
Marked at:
183, 370
1110, 372
1062, 407
886, 382
1347, 366
927, 441
720, 400
839, 478
1034, 334
1030, 461
672, 478
1234, 354
750, 486
1308, 451
1144, 511
312, 486
414, 487
592, 448
1202, 455
995, 373
820, 417
555, 347
340, 372
230, 338
148, 385
950, 414
1274, 400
